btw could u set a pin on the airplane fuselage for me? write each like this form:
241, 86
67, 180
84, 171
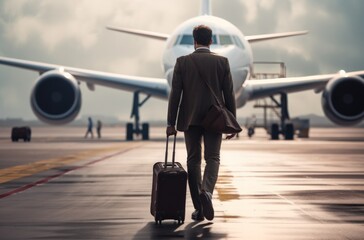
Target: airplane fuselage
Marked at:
228, 41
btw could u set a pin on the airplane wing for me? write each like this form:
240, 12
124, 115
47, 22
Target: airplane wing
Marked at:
263, 37
154, 35
157, 87
262, 88
164, 37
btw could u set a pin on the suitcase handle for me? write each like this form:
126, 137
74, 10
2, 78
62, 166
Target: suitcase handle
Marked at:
174, 152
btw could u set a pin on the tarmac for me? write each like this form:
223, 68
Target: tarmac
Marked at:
62, 186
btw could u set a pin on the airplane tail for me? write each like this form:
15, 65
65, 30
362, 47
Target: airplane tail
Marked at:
206, 7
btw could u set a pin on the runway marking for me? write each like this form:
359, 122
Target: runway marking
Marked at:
224, 186
65, 161
296, 206
12, 173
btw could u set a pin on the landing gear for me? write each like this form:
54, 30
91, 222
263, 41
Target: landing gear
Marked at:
145, 131
131, 128
285, 125
274, 131
285, 128
289, 131
129, 131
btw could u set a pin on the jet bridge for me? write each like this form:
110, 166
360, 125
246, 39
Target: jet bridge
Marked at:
276, 119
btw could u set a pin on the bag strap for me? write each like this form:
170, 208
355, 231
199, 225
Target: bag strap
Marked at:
205, 81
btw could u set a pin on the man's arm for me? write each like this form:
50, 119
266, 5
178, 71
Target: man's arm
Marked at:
229, 95
175, 95
228, 90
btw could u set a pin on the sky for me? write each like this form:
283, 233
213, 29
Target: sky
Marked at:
72, 33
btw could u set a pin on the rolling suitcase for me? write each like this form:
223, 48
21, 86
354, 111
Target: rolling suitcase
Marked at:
169, 189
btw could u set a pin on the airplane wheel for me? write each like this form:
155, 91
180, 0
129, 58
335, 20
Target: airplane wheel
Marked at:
289, 132
145, 131
129, 132
274, 131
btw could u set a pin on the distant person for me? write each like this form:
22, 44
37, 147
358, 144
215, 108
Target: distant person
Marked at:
195, 97
89, 128
98, 128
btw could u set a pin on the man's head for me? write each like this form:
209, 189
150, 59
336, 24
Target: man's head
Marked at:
202, 35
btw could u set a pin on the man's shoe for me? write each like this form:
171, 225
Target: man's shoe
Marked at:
197, 216
208, 209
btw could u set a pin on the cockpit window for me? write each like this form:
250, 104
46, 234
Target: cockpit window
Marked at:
225, 40
222, 40
187, 39
238, 42
214, 39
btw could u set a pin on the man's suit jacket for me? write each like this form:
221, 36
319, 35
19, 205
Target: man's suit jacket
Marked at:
190, 97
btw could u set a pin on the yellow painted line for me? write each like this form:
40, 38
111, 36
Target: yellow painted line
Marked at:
20, 171
224, 186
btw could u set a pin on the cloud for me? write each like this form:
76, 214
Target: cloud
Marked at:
54, 22
72, 33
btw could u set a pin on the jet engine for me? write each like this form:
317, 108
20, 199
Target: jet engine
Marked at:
56, 97
343, 100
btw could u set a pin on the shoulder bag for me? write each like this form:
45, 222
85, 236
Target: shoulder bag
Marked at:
218, 118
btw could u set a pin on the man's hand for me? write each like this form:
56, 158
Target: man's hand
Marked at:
171, 130
230, 136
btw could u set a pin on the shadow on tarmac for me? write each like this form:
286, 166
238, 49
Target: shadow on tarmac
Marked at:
168, 230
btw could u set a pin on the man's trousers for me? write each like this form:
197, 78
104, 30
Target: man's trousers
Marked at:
212, 145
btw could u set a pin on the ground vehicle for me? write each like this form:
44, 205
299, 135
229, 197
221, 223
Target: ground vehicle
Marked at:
24, 133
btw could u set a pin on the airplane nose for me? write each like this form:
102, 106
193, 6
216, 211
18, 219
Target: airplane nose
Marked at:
237, 57
224, 50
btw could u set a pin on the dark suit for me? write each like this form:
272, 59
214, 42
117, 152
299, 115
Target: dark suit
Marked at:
196, 97
190, 98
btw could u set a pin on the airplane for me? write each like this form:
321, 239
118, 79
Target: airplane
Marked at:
56, 95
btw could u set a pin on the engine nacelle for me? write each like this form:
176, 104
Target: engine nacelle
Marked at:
56, 97
343, 100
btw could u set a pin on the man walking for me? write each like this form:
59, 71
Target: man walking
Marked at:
190, 98
89, 128
98, 128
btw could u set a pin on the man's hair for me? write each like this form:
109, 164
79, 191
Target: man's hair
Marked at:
202, 35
